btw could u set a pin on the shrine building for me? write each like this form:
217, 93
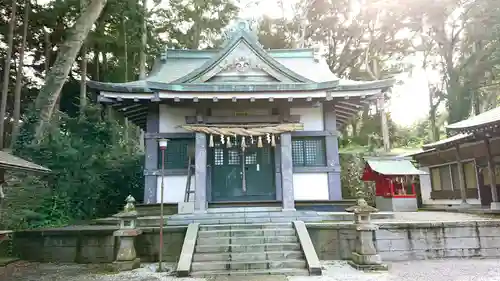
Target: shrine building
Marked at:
260, 125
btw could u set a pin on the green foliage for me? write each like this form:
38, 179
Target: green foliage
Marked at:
352, 166
93, 171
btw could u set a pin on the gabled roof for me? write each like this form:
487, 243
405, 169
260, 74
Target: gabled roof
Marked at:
11, 162
216, 75
241, 35
393, 167
490, 118
450, 141
188, 70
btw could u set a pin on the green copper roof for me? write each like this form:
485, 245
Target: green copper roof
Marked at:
242, 36
393, 167
281, 70
480, 121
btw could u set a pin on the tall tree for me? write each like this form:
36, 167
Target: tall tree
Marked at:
20, 75
463, 35
83, 69
144, 41
49, 93
6, 73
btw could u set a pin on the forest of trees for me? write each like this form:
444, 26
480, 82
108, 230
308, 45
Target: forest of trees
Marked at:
48, 50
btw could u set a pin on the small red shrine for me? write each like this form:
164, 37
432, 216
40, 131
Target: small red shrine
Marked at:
395, 180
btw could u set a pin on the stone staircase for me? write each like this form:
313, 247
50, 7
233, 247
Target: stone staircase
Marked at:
248, 249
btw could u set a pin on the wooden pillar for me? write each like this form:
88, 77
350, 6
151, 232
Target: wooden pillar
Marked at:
461, 177
492, 176
287, 172
277, 171
332, 152
200, 190
151, 161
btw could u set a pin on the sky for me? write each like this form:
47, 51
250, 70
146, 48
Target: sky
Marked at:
409, 102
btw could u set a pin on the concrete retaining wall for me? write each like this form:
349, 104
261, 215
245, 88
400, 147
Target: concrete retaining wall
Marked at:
394, 241
413, 241
92, 244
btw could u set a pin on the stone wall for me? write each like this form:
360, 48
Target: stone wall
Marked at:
413, 241
71, 244
92, 244
147, 244
394, 241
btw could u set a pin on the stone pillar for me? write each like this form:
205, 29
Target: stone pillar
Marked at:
151, 161
461, 177
332, 152
495, 205
365, 256
126, 257
287, 172
200, 178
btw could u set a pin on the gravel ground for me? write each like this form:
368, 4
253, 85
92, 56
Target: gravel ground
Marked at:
440, 270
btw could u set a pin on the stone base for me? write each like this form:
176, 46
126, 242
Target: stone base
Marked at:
464, 205
185, 208
126, 265
366, 259
369, 267
495, 206
367, 262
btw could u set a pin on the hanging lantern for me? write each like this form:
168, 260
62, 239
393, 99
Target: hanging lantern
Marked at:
259, 142
211, 141
273, 141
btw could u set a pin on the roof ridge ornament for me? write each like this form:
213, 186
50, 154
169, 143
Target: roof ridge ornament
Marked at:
239, 27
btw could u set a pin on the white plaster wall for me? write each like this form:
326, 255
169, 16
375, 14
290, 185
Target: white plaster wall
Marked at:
174, 189
171, 117
311, 117
232, 112
426, 188
310, 186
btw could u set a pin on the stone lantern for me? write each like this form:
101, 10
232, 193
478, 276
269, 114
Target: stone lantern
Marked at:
126, 257
365, 256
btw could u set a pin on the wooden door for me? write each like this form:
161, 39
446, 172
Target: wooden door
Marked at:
239, 175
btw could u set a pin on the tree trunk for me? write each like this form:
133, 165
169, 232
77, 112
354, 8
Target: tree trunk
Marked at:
125, 50
48, 51
6, 73
97, 65
57, 75
83, 70
433, 127
144, 42
19, 77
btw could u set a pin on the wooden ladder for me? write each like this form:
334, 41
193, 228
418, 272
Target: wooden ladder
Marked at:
190, 172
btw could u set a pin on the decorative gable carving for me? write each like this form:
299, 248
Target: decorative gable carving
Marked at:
243, 61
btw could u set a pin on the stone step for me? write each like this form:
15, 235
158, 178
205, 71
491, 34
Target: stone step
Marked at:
248, 256
246, 232
278, 271
248, 265
253, 226
243, 210
248, 240
247, 248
